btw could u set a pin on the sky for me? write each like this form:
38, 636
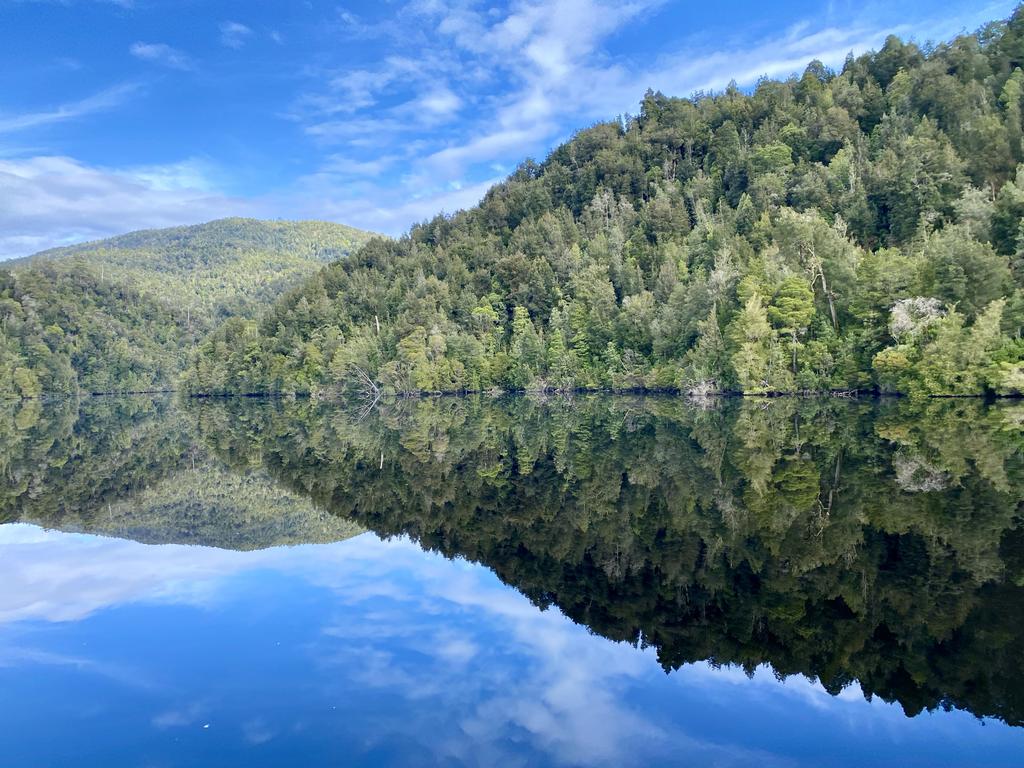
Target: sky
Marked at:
118, 115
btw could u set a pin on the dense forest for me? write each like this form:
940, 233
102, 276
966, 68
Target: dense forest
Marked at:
123, 314
834, 538
836, 231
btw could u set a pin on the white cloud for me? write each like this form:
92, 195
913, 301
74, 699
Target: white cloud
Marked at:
57, 577
363, 131
453, 160
345, 167
50, 200
180, 717
436, 103
380, 207
161, 53
105, 99
233, 34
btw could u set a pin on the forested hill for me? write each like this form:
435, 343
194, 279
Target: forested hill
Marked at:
219, 269
123, 314
852, 230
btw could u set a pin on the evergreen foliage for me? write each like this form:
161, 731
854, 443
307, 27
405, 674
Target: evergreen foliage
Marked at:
755, 242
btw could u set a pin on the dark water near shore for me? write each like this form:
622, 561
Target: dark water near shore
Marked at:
603, 581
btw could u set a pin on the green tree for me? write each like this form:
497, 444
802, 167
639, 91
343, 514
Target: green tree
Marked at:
755, 357
791, 311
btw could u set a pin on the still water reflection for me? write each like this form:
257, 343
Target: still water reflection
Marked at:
609, 581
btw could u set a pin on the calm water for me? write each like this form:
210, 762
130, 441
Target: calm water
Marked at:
611, 581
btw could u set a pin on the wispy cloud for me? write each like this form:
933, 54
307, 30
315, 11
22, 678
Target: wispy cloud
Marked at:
180, 717
161, 53
234, 34
380, 207
106, 99
486, 87
437, 104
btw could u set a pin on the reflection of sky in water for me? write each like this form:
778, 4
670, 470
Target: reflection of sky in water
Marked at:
368, 652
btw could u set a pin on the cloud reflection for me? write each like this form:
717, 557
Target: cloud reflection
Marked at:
449, 662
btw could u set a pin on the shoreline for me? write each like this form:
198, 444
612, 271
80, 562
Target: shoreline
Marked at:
643, 391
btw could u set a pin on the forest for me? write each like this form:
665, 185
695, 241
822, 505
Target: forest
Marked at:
850, 231
123, 314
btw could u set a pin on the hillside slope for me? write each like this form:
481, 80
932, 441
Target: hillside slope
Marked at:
123, 314
834, 231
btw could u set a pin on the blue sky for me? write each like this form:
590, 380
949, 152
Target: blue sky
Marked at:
122, 114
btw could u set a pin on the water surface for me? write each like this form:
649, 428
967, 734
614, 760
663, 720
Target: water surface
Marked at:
603, 581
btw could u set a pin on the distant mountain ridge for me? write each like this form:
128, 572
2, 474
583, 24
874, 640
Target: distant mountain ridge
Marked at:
122, 314
255, 232
225, 267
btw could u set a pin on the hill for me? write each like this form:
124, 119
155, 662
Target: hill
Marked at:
123, 314
852, 230
210, 506
219, 269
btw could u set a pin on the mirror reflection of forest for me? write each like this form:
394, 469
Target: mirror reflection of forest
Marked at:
849, 541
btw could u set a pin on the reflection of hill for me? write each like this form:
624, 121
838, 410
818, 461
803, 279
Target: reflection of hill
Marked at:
212, 507
128, 468
791, 532
846, 541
